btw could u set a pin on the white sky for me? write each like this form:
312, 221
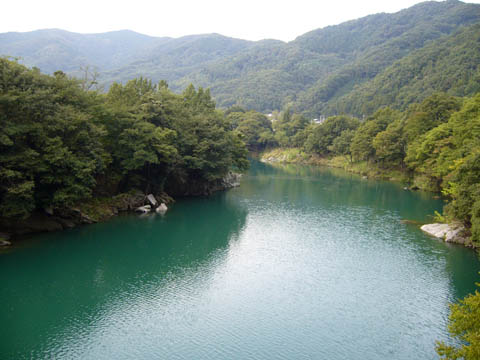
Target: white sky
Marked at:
245, 19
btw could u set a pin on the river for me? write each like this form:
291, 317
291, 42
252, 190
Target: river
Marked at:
296, 263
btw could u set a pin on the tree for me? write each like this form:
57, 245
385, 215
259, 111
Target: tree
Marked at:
389, 145
341, 144
362, 143
322, 136
433, 111
464, 325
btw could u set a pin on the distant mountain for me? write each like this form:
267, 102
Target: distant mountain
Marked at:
352, 68
175, 58
54, 49
450, 64
312, 72
119, 55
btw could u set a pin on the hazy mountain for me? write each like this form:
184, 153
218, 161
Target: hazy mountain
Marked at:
317, 68
54, 49
176, 58
324, 71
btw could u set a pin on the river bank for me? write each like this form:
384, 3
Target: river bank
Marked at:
98, 209
452, 233
298, 156
302, 250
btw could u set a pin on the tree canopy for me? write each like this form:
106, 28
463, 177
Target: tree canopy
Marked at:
60, 143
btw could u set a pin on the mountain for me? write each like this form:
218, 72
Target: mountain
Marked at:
54, 49
175, 58
349, 68
312, 72
450, 64
119, 55
384, 39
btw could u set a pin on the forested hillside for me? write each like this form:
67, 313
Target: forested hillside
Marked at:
450, 64
118, 55
353, 68
317, 68
175, 58
52, 49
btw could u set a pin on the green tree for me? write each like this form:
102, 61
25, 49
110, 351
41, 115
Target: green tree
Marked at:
362, 143
322, 136
389, 145
464, 326
341, 144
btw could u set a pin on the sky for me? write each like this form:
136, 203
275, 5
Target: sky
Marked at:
244, 19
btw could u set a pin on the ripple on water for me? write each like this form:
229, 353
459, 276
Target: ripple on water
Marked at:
288, 266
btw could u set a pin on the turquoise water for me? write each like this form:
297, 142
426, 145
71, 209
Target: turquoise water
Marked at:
297, 263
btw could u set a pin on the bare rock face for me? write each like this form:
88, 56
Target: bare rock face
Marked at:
452, 233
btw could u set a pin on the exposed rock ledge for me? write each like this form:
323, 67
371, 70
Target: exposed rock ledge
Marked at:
452, 233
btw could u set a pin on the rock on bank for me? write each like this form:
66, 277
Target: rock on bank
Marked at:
452, 233
100, 209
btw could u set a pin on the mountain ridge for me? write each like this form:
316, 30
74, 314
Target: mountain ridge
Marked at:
311, 73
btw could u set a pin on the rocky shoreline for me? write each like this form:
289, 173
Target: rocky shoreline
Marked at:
101, 209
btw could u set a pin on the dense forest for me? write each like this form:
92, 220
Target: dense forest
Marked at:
61, 143
351, 68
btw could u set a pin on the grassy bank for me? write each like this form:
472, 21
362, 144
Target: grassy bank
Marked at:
298, 156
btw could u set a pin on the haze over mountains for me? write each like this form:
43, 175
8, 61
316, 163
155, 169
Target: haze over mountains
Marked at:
353, 68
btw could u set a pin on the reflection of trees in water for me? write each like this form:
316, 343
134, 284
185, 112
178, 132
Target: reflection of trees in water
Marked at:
330, 187
73, 275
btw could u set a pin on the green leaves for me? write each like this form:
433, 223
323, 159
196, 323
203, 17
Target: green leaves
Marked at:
464, 326
57, 139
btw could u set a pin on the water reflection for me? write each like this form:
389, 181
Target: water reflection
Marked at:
72, 277
298, 262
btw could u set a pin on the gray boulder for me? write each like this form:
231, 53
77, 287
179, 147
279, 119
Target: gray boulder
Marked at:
452, 233
151, 199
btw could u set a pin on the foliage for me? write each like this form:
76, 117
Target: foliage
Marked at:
354, 68
321, 137
362, 146
254, 127
60, 143
50, 149
464, 325
289, 128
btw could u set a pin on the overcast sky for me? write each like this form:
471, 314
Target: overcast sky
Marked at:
245, 19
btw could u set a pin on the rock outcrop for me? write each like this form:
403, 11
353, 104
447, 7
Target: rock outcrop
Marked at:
201, 187
452, 233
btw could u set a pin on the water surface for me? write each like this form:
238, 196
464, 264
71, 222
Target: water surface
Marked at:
297, 263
